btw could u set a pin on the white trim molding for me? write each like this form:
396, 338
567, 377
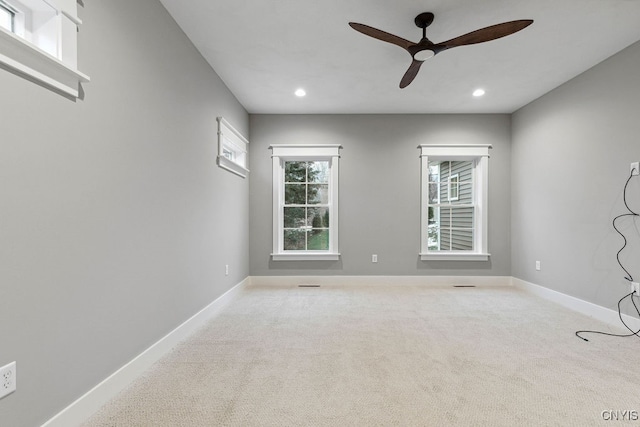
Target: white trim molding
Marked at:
51, 58
598, 312
80, 410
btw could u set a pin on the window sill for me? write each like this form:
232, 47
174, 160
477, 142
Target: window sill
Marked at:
26, 59
306, 256
232, 167
454, 256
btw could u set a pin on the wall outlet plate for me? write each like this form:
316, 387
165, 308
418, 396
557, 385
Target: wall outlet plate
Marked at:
635, 287
374, 258
635, 168
7, 379
537, 265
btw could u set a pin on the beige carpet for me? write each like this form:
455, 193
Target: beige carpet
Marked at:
387, 356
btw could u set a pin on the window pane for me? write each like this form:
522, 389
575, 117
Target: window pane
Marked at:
318, 217
295, 171
445, 217
450, 228
318, 172
465, 194
434, 171
6, 19
433, 237
318, 240
462, 217
294, 240
434, 216
443, 191
227, 153
454, 187
461, 240
434, 196
295, 194
318, 194
445, 239
294, 217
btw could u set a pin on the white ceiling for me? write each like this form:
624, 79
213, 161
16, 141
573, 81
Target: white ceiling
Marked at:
265, 49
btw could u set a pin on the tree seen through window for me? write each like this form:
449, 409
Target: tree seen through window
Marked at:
306, 205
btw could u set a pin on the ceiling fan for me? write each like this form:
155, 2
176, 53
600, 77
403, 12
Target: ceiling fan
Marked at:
426, 49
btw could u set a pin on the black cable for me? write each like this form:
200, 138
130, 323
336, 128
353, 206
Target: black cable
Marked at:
633, 333
628, 277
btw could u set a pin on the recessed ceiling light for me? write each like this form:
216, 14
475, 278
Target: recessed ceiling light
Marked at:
478, 92
300, 93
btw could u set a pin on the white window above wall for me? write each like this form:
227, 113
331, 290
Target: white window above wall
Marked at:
38, 39
232, 149
454, 202
305, 202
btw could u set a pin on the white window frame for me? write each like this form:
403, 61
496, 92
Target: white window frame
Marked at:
43, 44
479, 155
304, 152
233, 149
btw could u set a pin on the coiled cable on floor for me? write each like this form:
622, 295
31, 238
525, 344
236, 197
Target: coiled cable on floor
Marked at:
633, 333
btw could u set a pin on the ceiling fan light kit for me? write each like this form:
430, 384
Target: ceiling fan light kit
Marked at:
426, 49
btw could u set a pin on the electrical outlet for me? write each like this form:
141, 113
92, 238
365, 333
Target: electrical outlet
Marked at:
635, 168
374, 258
537, 265
7, 379
226, 269
635, 287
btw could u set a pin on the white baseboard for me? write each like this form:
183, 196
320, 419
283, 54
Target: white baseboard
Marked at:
598, 312
80, 410
292, 281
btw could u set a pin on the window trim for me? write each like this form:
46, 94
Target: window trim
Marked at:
229, 139
479, 153
57, 70
304, 152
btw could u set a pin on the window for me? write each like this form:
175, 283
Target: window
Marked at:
305, 202
232, 149
38, 39
7, 18
454, 202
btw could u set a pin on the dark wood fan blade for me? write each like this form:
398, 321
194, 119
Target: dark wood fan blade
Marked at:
381, 35
411, 73
487, 34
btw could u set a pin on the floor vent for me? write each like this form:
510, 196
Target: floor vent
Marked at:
308, 286
464, 286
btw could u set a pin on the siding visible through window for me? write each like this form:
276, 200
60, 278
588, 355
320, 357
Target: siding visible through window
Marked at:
454, 200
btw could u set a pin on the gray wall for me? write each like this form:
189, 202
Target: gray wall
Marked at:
380, 190
115, 221
571, 154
